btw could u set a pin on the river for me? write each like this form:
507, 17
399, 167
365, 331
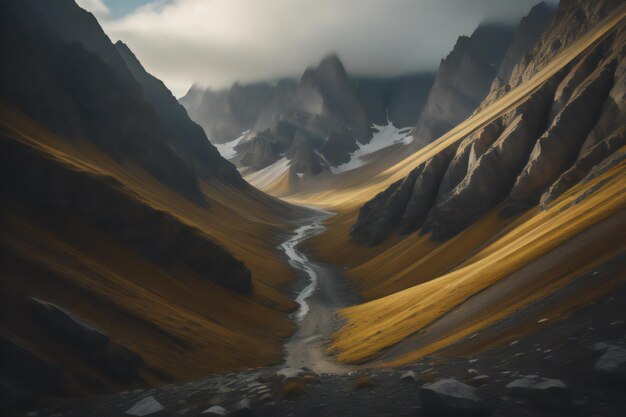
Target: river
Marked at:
322, 290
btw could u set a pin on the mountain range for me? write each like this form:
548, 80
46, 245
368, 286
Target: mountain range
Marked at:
446, 243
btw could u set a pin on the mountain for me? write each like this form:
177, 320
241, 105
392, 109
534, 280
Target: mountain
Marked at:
327, 119
462, 81
397, 100
186, 138
527, 34
132, 252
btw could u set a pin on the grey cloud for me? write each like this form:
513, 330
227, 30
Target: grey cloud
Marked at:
218, 42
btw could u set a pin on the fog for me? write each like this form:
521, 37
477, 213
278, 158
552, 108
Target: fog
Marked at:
217, 42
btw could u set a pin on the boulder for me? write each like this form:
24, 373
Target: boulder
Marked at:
145, 407
409, 376
69, 327
243, 409
450, 397
216, 410
612, 365
545, 392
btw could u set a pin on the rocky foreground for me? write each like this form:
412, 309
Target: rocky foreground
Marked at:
573, 367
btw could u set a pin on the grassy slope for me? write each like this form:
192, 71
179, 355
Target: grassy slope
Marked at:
183, 325
379, 324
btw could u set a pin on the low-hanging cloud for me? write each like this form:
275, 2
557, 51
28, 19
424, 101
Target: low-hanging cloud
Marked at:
217, 42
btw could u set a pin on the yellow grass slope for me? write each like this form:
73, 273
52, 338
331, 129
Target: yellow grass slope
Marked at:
377, 325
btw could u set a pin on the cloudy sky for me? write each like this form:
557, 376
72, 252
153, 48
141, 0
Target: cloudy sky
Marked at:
217, 42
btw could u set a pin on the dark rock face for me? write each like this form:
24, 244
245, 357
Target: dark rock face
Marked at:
226, 114
328, 92
66, 325
526, 36
558, 148
462, 82
569, 128
382, 214
186, 137
398, 100
593, 157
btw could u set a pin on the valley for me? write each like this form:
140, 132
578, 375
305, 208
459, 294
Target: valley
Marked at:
444, 241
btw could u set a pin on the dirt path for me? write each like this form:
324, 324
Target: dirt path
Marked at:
321, 292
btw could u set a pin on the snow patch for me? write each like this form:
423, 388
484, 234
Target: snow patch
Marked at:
227, 150
385, 136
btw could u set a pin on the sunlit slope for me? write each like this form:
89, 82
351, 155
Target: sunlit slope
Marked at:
538, 240
350, 190
183, 325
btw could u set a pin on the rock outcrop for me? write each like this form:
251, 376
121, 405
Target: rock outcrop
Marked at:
68, 326
449, 397
463, 80
399, 100
527, 34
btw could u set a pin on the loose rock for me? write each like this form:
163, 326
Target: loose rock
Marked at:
450, 397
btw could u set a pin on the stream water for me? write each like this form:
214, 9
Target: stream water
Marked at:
322, 290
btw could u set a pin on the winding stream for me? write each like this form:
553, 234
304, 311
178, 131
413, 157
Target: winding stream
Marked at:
322, 291
300, 261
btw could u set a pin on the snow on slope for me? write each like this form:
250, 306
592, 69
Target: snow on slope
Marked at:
227, 150
384, 136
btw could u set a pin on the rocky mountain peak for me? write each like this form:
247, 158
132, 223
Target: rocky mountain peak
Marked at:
463, 80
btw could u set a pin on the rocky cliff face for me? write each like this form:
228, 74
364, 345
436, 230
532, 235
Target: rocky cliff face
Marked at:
398, 100
526, 36
564, 130
463, 80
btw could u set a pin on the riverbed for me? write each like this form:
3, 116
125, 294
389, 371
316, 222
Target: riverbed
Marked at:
321, 291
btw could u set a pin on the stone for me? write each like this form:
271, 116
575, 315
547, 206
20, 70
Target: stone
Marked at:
450, 397
612, 365
479, 380
409, 376
216, 410
68, 326
549, 393
145, 407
